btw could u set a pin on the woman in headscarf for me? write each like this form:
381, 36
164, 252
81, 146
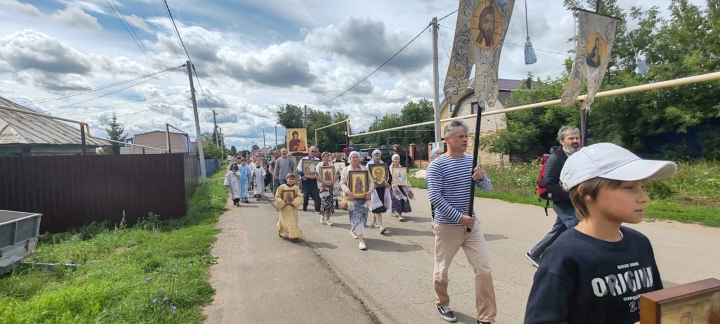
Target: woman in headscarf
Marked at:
326, 189
401, 195
380, 200
357, 205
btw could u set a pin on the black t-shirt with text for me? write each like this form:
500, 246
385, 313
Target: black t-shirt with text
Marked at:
584, 280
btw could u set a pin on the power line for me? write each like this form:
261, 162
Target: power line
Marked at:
176, 30
207, 104
448, 15
144, 110
518, 45
121, 103
379, 67
101, 87
109, 93
135, 37
443, 44
167, 33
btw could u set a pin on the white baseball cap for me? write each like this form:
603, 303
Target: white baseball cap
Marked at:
609, 161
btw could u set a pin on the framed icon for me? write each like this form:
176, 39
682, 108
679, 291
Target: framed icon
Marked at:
695, 302
379, 173
358, 182
400, 176
327, 173
288, 196
296, 140
339, 165
309, 167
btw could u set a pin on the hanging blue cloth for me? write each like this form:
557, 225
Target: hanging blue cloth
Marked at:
530, 57
502, 2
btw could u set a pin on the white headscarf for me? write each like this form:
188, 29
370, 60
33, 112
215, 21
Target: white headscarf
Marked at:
353, 153
393, 161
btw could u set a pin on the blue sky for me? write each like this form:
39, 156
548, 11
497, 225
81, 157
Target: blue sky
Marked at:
251, 55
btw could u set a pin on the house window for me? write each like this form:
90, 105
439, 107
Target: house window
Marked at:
474, 108
452, 108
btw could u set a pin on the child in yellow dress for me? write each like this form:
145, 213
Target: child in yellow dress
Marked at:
287, 199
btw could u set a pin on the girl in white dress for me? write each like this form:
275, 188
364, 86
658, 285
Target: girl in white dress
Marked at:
258, 176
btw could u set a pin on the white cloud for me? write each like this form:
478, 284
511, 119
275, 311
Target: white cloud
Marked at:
23, 8
76, 17
139, 23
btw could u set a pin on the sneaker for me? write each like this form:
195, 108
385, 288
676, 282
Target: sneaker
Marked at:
353, 234
362, 245
328, 222
317, 212
446, 313
375, 224
258, 199
479, 322
383, 229
322, 220
535, 261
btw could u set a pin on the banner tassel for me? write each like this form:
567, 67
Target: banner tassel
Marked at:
530, 57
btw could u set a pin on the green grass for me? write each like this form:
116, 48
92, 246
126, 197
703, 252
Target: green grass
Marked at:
692, 195
124, 274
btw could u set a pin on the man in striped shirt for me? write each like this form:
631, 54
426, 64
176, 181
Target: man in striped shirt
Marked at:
448, 179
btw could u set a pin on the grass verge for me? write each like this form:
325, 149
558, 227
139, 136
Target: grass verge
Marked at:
691, 196
154, 272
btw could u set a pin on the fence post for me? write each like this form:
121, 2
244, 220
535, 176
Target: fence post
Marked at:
82, 139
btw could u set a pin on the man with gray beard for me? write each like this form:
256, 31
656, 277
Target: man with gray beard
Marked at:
569, 138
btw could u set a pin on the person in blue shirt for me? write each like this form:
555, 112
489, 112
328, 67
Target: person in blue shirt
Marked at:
595, 272
449, 178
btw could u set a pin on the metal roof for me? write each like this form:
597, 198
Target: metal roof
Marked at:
19, 128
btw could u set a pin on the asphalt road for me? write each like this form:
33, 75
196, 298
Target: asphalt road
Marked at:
327, 279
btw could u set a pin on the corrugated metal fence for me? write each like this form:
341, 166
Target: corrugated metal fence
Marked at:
210, 167
71, 191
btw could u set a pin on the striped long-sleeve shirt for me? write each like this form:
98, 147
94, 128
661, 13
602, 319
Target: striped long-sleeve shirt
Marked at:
448, 182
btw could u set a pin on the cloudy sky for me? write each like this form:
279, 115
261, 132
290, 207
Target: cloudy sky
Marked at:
250, 56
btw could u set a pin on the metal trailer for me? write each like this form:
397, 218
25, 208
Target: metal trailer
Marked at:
18, 237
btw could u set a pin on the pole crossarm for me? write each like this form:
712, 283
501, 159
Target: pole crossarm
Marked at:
714, 76
177, 129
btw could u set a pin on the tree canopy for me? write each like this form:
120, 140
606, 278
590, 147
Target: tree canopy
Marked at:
677, 122
116, 132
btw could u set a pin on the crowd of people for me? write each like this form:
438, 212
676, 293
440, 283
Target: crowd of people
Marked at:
591, 269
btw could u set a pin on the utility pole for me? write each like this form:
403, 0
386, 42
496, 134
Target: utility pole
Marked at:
436, 82
197, 124
275, 136
305, 121
217, 140
222, 145
263, 141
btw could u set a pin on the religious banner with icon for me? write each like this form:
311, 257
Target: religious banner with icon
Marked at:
479, 36
595, 39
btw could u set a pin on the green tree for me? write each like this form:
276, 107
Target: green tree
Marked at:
116, 132
255, 147
674, 122
290, 116
414, 113
212, 152
233, 150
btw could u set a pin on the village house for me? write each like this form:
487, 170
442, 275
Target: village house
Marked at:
30, 135
179, 143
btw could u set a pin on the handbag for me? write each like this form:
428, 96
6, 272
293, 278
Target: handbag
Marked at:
406, 206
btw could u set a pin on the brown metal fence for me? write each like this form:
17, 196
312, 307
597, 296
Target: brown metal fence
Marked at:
71, 191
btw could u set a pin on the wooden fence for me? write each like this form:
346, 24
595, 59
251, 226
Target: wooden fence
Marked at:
71, 191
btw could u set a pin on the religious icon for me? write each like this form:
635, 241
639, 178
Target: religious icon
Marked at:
595, 47
309, 167
297, 140
379, 173
695, 302
289, 196
358, 182
400, 176
339, 165
486, 27
327, 173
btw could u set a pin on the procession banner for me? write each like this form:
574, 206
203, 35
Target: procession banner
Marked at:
479, 36
596, 36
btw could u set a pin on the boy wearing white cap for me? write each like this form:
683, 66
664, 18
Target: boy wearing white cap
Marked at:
596, 272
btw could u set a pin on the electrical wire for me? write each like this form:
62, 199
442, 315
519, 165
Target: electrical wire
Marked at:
448, 15
518, 45
101, 87
109, 93
443, 44
167, 33
144, 110
167, 7
379, 67
136, 39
